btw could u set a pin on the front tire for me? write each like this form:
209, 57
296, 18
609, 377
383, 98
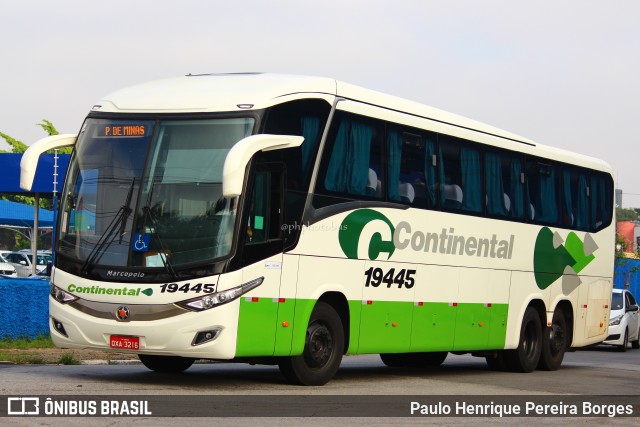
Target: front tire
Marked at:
636, 344
323, 349
166, 364
625, 341
554, 343
525, 358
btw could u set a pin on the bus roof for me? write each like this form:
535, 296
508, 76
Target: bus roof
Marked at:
201, 93
225, 92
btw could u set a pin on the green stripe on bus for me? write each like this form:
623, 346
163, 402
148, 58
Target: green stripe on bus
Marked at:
256, 327
269, 327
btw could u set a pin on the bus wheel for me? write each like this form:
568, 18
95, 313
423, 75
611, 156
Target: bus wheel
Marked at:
497, 362
554, 343
525, 358
323, 349
419, 360
166, 364
625, 341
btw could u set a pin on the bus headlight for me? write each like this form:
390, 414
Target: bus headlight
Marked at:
616, 320
61, 295
213, 300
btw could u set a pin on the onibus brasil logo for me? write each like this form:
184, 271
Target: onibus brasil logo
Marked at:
554, 257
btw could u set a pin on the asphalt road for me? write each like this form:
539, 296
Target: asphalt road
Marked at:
597, 371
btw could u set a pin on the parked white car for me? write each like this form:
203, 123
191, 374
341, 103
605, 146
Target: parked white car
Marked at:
624, 323
22, 262
7, 269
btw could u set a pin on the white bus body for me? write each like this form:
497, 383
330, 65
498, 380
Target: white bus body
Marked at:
394, 228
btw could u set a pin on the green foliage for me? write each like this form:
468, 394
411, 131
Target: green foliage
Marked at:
17, 146
21, 147
48, 127
43, 341
68, 359
626, 214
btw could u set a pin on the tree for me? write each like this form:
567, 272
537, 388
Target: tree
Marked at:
17, 146
20, 147
626, 214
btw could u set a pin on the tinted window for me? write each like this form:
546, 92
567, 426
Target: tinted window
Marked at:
541, 182
352, 164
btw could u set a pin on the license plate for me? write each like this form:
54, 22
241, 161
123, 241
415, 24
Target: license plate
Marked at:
124, 343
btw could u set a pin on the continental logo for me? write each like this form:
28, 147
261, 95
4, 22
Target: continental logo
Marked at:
555, 257
99, 290
353, 226
403, 236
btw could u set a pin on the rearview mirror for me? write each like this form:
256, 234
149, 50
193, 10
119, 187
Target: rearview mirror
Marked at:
29, 161
241, 153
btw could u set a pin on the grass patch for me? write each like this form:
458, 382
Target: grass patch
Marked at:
68, 359
35, 360
42, 341
22, 358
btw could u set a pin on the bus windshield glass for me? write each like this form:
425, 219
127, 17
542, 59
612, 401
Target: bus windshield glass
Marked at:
144, 193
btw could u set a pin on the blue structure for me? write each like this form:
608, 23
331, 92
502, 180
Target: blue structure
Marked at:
627, 271
20, 215
43, 182
25, 308
25, 302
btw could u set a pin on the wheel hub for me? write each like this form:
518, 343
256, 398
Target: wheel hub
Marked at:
320, 346
556, 339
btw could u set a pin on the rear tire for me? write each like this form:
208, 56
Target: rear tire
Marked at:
497, 363
166, 364
414, 360
525, 358
554, 343
323, 349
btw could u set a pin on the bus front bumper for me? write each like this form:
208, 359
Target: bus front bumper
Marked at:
209, 334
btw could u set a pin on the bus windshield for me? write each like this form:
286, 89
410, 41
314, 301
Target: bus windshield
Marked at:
144, 193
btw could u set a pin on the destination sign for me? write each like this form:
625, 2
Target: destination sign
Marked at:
122, 130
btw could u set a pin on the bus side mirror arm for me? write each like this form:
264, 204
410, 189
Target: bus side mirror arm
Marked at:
241, 153
29, 161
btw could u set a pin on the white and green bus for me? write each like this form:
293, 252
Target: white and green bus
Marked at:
293, 220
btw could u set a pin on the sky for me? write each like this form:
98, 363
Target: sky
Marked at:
562, 73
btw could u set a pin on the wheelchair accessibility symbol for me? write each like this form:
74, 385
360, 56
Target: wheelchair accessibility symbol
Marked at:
141, 242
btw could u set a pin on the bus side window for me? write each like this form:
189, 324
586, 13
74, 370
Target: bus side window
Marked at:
601, 194
264, 221
470, 168
541, 181
498, 202
451, 197
503, 185
405, 169
574, 207
354, 165
462, 169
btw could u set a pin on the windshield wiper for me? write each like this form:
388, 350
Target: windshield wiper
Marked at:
120, 219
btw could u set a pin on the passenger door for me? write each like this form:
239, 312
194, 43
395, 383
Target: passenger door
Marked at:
262, 246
